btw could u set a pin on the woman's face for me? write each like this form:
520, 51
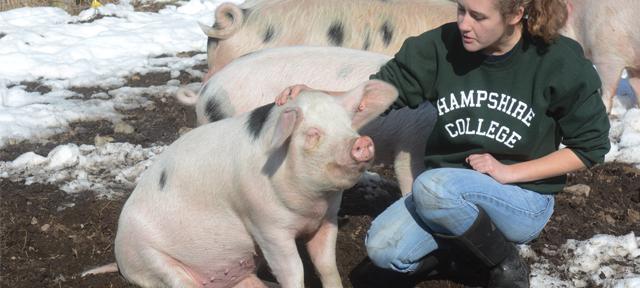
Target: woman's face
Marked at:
484, 29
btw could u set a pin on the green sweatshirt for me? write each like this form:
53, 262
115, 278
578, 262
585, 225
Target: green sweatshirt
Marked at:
517, 108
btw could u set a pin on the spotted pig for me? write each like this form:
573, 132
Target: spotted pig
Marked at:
245, 187
251, 80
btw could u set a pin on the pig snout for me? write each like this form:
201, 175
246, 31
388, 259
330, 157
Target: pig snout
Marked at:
362, 150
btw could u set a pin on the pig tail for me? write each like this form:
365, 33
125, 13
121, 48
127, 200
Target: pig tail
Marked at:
543, 19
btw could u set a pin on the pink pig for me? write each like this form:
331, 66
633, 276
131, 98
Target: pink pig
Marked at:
378, 26
230, 191
607, 30
251, 81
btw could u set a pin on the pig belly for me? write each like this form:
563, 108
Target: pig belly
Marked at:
213, 250
229, 272
219, 274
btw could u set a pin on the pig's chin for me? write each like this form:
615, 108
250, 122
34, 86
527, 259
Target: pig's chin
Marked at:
346, 175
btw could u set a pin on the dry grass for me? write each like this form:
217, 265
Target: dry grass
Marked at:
71, 6
74, 7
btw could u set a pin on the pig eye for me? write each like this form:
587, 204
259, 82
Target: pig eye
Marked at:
312, 138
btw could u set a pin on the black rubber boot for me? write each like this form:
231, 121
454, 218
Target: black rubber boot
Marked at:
447, 263
432, 264
368, 275
488, 244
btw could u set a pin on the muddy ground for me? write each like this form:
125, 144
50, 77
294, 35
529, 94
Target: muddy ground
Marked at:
46, 240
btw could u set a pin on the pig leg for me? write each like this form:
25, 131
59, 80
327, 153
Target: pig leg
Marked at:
634, 81
322, 247
165, 272
609, 72
252, 281
403, 167
409, 159
281, 253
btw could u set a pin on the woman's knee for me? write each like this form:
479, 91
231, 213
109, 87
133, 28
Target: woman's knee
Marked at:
379, 248
380, 256
388, 257
435, 189
394, 248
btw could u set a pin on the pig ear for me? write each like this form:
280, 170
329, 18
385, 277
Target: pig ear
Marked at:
368, 100
285, 126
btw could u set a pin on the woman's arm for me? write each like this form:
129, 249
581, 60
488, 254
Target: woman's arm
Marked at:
557, 163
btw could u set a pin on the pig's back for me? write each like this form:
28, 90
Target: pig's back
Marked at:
255, 79
196, 171
214, 148
319, 67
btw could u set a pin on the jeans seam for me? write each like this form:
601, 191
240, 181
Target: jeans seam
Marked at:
505, 203
539, 213
550, 202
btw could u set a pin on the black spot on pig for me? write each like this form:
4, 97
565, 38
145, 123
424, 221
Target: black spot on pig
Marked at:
336, 33
386, 31
367, 43
257, 118
211, 43
213, 110
268, 35
163, 179
2, 34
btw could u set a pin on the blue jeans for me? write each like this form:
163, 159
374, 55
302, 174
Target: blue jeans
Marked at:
443, 201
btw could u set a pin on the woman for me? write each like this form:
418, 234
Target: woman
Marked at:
508, 90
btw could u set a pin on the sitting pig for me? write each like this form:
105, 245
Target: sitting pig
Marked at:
252, 80
231, 190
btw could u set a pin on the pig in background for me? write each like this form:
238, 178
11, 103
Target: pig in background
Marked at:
252, 80
231, 190
374, 25
607, 30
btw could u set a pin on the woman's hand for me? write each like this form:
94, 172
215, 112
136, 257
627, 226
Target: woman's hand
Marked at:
487, 164
290, 93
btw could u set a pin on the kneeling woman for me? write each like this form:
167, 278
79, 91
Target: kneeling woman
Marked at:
508, 90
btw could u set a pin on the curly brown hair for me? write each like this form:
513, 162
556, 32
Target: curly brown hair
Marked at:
542, 18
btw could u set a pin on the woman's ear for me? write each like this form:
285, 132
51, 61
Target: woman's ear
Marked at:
516, 17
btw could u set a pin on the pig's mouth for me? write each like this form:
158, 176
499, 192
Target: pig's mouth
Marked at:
358, 167
346, 170
347, 175
351, 167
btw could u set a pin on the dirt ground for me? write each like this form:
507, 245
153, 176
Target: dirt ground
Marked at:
47, 237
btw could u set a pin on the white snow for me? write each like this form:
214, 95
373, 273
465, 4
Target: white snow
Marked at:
62, 51
602, 261
111, 169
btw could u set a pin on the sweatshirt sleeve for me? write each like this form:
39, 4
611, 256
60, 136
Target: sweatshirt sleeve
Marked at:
412, 71
580, 113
